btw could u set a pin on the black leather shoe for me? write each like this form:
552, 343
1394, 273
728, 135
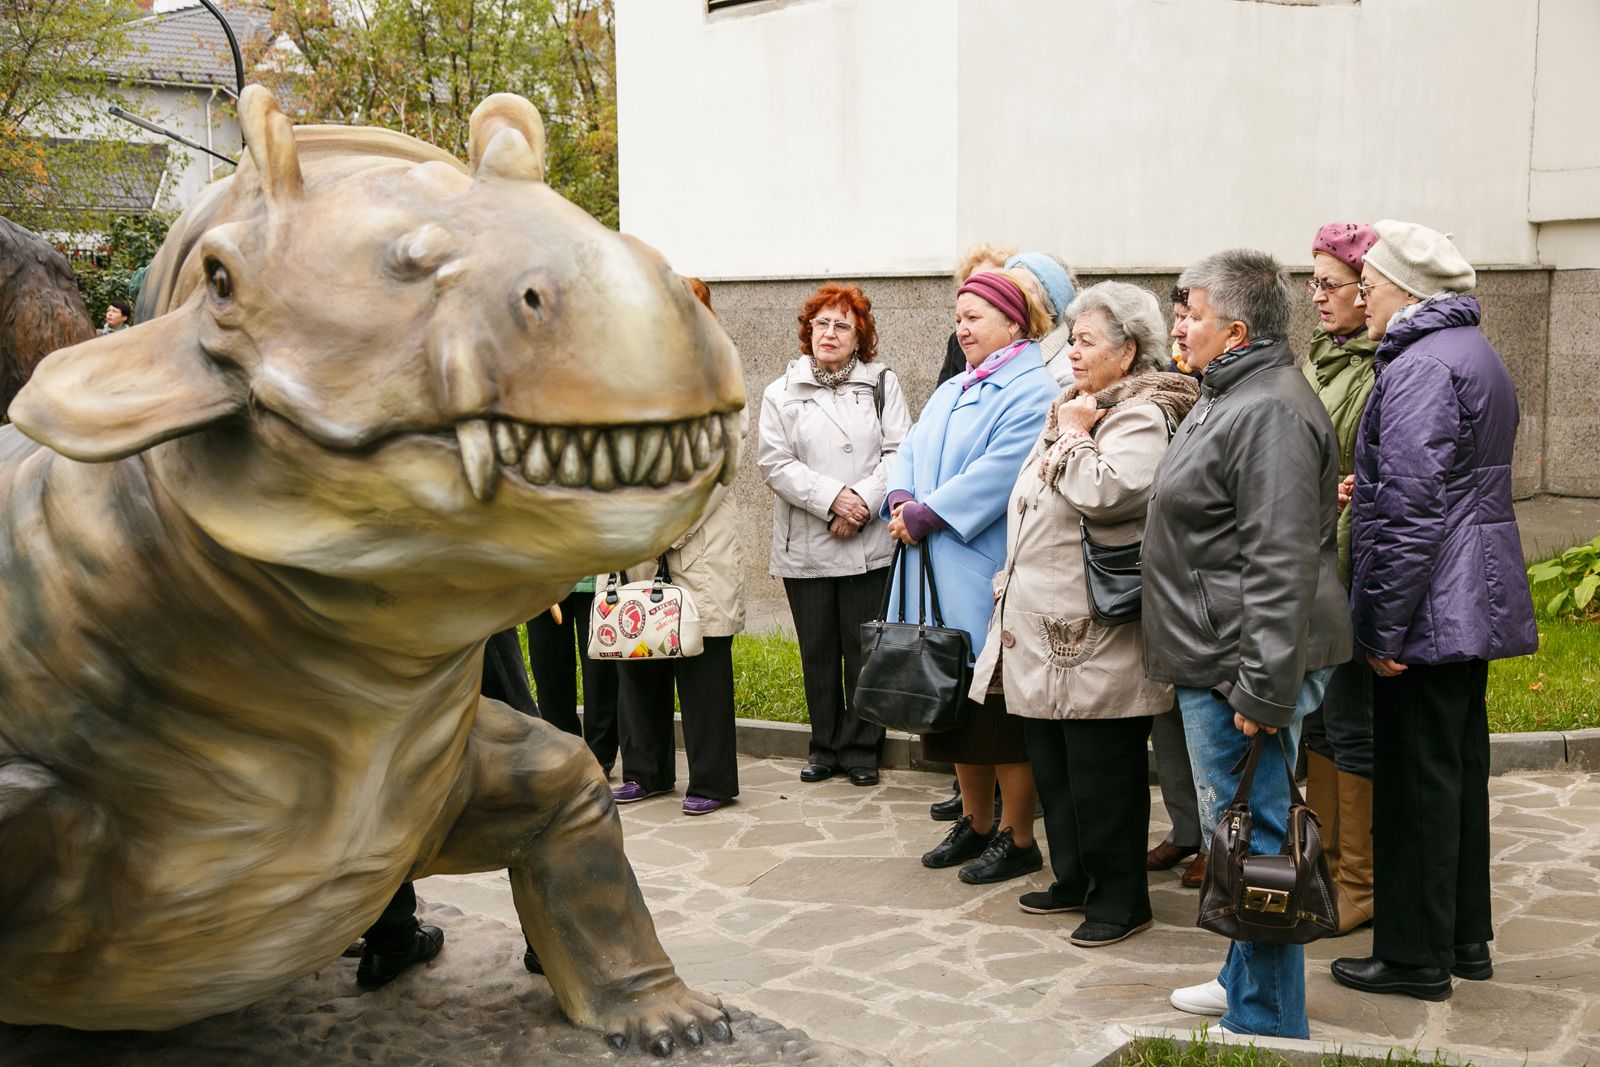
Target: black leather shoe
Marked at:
863, 776
378, 969
1473, 962
946, 810
961, 844
816, 772
1002, 861
1373, 975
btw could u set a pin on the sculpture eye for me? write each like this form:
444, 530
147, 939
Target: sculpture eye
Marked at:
219, 281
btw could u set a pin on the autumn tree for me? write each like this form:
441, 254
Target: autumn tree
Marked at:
421, 66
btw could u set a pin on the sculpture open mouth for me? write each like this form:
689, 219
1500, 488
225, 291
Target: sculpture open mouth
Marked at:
605, 458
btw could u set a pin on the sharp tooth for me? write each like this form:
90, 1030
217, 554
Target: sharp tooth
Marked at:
730, 455
523, 433
573, 470
555, 440
477, 457
651, 438
602, 477
625, 449
505, 443
701, 445
682, 459
536, 463
661, 473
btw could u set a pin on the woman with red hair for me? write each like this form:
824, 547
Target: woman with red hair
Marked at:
829, 428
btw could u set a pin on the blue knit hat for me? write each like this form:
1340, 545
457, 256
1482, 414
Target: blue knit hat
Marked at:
1057, 283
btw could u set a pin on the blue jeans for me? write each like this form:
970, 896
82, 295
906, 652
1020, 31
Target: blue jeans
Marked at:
1266, 983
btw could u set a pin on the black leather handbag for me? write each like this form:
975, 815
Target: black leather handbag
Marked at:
1286, 899
1115, 582
914, 676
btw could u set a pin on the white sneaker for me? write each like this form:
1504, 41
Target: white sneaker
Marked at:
1208, 998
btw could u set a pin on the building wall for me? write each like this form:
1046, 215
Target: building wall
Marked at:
191, 112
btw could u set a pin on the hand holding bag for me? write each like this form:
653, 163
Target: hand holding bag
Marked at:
914, 677
1286, 899
644, 620
1116, 584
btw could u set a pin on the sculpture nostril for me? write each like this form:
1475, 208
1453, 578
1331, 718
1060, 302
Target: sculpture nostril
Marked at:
531, 298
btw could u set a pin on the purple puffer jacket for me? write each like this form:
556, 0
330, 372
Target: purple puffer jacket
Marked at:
1436, 563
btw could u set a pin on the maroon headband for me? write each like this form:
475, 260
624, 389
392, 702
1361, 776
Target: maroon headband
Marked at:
1002, 292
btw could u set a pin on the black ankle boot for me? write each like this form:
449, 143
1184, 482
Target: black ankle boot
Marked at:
1473, 962
1003, 860
379, 967
961, 844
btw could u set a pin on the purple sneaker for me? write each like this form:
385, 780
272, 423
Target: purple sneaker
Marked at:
693, 805
628, 792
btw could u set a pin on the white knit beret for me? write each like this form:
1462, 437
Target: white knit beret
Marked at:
1419, 260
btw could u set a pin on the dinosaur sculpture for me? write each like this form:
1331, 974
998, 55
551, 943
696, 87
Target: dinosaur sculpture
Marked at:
381, 406
41, 309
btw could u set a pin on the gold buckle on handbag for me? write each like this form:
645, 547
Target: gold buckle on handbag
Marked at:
1271, 901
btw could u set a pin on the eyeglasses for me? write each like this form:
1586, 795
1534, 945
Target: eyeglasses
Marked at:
1317, 285
839, 326
1364, 290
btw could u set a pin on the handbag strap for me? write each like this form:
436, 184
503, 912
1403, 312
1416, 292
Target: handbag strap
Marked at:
611, 588
663, 577
1248, 761
933, 590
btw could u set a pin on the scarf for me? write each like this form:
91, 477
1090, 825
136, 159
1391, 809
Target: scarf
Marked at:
832, 379
1233, 355
1173, 393
994, 362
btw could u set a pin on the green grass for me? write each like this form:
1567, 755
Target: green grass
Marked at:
766, 678
1198, 1051
1556, 688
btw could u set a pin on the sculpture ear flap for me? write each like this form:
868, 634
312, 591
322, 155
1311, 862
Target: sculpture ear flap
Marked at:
491, 155
269, 139
123, 392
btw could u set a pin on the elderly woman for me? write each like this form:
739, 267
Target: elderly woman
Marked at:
1438, 589
1338, 736
987, 257
1049, 280
1085, 704
829, 429
1244, 612
947, 496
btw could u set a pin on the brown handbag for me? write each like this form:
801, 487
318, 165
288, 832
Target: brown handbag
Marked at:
1286, 899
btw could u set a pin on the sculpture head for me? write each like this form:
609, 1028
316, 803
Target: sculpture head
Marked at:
361, 359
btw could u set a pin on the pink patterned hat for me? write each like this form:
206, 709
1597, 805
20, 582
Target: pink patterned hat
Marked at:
1348, 242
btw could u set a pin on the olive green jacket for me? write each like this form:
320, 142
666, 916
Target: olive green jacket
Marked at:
1342, 376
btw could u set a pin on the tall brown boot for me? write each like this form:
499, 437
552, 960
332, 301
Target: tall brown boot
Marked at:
1353, 876
1322, 795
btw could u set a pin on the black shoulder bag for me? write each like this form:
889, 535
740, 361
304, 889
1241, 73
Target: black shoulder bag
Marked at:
1116, 584
914, 677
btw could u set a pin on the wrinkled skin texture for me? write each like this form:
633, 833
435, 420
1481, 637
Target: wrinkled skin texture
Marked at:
248, 559
41, 309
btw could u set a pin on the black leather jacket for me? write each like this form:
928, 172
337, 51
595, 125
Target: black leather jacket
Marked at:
1241, 586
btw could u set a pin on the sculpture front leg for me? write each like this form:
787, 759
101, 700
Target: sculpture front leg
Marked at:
540, 807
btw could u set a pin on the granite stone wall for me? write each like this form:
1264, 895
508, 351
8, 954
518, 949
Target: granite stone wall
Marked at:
1545, 324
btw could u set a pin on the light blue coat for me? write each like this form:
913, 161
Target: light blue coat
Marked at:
961, 459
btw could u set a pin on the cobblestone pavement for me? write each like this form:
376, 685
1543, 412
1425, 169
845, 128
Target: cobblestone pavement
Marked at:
806, 904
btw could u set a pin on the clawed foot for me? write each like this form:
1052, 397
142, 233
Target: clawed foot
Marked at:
663, 1020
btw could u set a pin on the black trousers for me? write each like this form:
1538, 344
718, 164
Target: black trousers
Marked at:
1341, 730
828, 613
551, 652
1094, 781
705, 696
1430, 813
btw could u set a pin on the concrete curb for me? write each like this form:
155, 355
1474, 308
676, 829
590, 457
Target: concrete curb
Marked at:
1107, 1052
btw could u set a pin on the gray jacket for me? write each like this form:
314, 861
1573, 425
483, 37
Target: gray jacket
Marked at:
1241, 583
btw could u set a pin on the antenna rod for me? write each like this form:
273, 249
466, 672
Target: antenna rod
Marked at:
233, 42
172, 134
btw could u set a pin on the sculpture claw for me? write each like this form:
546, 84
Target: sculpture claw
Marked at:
692, 1034
617, 1041
721, 1031
663, 1045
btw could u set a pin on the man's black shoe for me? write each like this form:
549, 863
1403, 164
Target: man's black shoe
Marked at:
1373, 975
378, 969
961, 844
1003, 860
946, 810
816, 772
863, 776
1473, 962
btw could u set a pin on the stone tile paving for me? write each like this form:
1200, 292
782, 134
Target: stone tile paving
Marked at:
806, 904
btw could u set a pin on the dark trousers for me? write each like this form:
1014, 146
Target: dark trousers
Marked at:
1094, 781
1341, 729
705, 696
552, 651
828, 613
1430, 813
397, 925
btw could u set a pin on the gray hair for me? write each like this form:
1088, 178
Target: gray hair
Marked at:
1132, 314
1245, 286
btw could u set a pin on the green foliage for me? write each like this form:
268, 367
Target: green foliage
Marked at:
130, 245
1200, 1051
421, 66
767, 683
1570, 580
54, 56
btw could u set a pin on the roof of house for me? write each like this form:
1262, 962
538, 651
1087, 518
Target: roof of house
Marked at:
131, 184
188, 46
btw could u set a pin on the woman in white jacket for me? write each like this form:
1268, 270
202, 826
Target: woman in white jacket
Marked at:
828, 430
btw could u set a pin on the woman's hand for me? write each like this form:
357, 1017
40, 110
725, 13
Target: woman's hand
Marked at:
849, 505
842, 528
1249, 727
897, 527
1386, 668
1347, 489
1080, 413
